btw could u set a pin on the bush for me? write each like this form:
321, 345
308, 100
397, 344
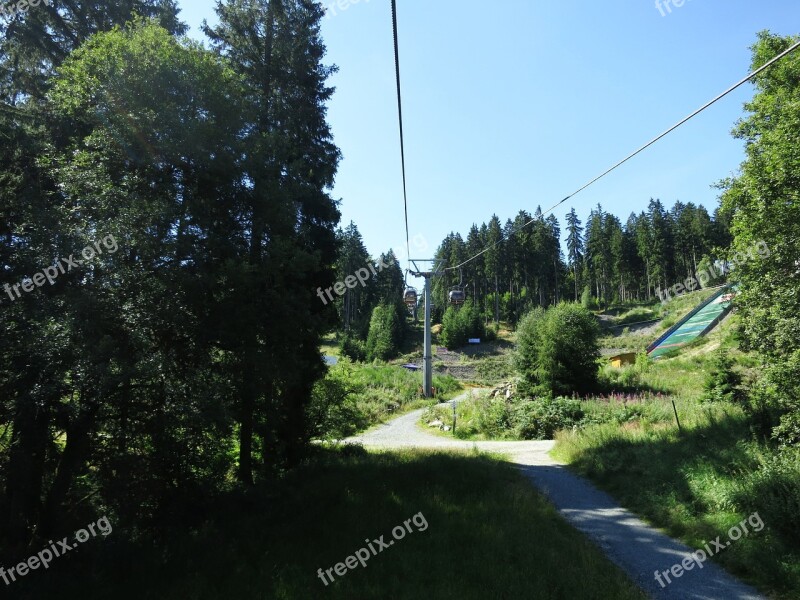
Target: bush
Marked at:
461, 323
722, 381
775, 402
557, 351
385, 333
334, 413
353, 348
774, 490
539, 419
493, 416
496, 418
588, 301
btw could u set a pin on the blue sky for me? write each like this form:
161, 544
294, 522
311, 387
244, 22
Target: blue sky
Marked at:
512, 104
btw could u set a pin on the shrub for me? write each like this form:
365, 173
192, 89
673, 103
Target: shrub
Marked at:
333, 412
722, 381
353, 348
493, 416
497, 418
539, 419
461, 323
773, 489
557, 351
779, 393
385, 333
588, 301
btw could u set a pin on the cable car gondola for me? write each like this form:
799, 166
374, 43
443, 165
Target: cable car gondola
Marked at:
410, 297
457, 296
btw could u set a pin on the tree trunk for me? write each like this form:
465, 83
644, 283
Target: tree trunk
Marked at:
246, 428
25, 470
76, 451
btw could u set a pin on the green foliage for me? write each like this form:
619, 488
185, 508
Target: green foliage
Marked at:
127, 382
386, 331
722, 381
557, 351
624, 379
353, 348
761, 202
334, 411
774, 401
588, 301
539, 419
332, 505
495, 418
355, 307
492, 417
459, 324
772, 488
354, 396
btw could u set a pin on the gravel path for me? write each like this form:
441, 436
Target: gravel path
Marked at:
636, 547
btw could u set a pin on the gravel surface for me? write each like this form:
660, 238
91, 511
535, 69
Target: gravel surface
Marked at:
639, 549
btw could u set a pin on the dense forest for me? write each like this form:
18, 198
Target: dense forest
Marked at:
143, 378
606, 262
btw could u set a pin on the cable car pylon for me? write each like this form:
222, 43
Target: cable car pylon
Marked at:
427, 357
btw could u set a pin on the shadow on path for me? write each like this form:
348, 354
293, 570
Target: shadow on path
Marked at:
639, 549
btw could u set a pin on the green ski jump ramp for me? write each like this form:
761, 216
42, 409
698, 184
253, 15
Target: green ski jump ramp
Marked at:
696, 324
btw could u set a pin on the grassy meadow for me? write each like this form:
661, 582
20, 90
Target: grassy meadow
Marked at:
488, 535
697, 483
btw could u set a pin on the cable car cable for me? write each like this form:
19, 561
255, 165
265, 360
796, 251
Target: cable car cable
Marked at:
640, 149
400, 118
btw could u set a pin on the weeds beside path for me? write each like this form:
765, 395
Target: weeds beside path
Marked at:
631, 544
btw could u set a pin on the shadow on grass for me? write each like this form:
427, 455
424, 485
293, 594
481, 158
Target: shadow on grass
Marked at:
698, 484
489, 535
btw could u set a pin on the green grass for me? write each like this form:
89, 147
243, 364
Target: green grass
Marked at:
669, 313
364, 395
679, 306
489, 535
330, 345
636, 315
698, 483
